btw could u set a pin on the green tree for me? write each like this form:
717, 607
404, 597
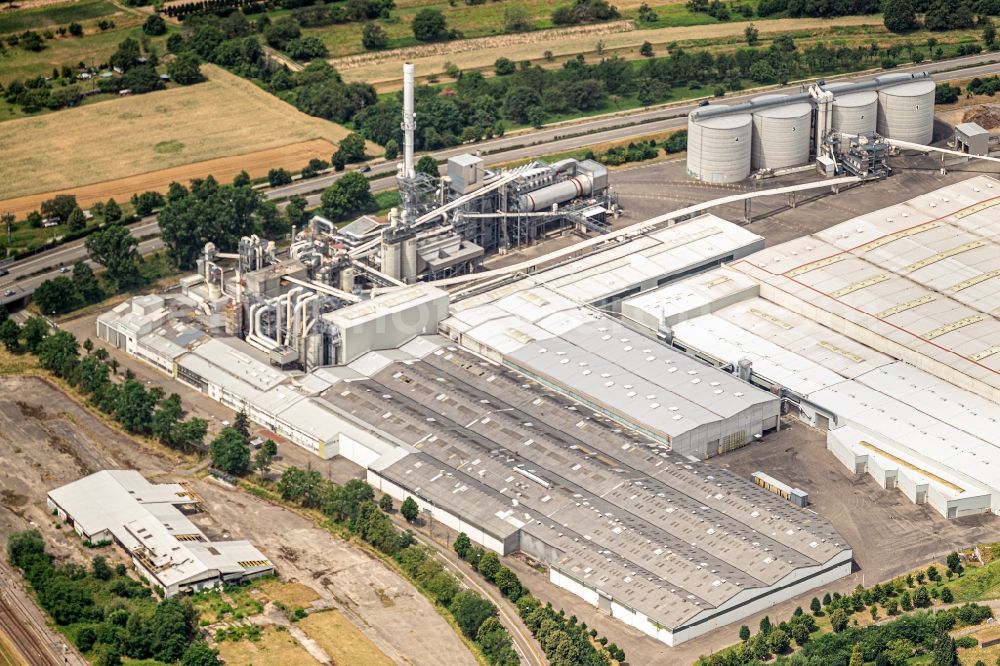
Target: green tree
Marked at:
230, 453
385, 503
646, 50
954, 562
838, 620
899, 15
126, 56
277, 177
765, 625
264, 457
815, 606
59, 207
391, 149
172, 629
470, 611
489, 565
117, 250
429, 25
353, 147
282, 31
857, 658
520, 102
31, 41
154, 26
409, 509
99, 567
10, 335
168, 415
35, 330
76, 220
989, 33
350, 194
517, 19
185, 69
112, 211
85, 283
199, 654
59, 353
76, 29
508, 583
427, 165
744, 633
778, 641
504, 67
374, 37
134, 407
462, 545
945, 652
57, 296
752, 35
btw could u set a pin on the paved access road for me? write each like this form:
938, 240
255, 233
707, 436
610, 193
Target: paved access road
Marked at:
35, 270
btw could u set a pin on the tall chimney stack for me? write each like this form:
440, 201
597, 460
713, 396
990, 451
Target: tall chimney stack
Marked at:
409, 121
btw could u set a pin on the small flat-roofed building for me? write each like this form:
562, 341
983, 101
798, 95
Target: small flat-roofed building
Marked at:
972, 139
150, 522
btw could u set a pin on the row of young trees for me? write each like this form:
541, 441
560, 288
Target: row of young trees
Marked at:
139, 410
353, 505
107, 613
889, 644
565, 641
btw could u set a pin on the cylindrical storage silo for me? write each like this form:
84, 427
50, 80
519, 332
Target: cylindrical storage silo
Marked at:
906, 111
853, 112
780, 133
718, 149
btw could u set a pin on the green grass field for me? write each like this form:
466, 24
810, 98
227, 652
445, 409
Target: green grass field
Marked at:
55, 16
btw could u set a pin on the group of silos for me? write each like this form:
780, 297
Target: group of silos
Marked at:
725, 143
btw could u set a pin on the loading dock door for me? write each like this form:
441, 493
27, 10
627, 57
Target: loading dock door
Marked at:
822, 422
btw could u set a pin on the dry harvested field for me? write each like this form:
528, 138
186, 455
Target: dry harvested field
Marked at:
135, 137
47, 440
384, 72
293, 156
275, 648
341, 640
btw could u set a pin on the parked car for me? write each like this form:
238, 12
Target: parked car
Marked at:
4, 271
9, 292
364, 168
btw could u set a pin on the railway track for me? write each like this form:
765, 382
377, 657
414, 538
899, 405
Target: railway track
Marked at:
17, 628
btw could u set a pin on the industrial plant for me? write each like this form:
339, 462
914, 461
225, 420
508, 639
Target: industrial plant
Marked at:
572, 405
844, 127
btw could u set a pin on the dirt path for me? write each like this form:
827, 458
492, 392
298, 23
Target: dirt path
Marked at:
383, 69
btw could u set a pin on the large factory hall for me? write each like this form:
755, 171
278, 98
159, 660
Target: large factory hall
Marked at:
556, 383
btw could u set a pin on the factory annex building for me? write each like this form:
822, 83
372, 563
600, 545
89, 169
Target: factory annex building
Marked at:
150, 522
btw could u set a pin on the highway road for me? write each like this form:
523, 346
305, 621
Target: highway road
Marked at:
27, 274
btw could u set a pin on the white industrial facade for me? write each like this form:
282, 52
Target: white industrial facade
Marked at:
146, 520
881, 329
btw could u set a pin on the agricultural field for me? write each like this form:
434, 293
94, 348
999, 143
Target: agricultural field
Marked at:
127, 145
94, 47
383, 71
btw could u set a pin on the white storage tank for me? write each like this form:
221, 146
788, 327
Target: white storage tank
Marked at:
906, 110
853, 112
719, 146
780, 133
